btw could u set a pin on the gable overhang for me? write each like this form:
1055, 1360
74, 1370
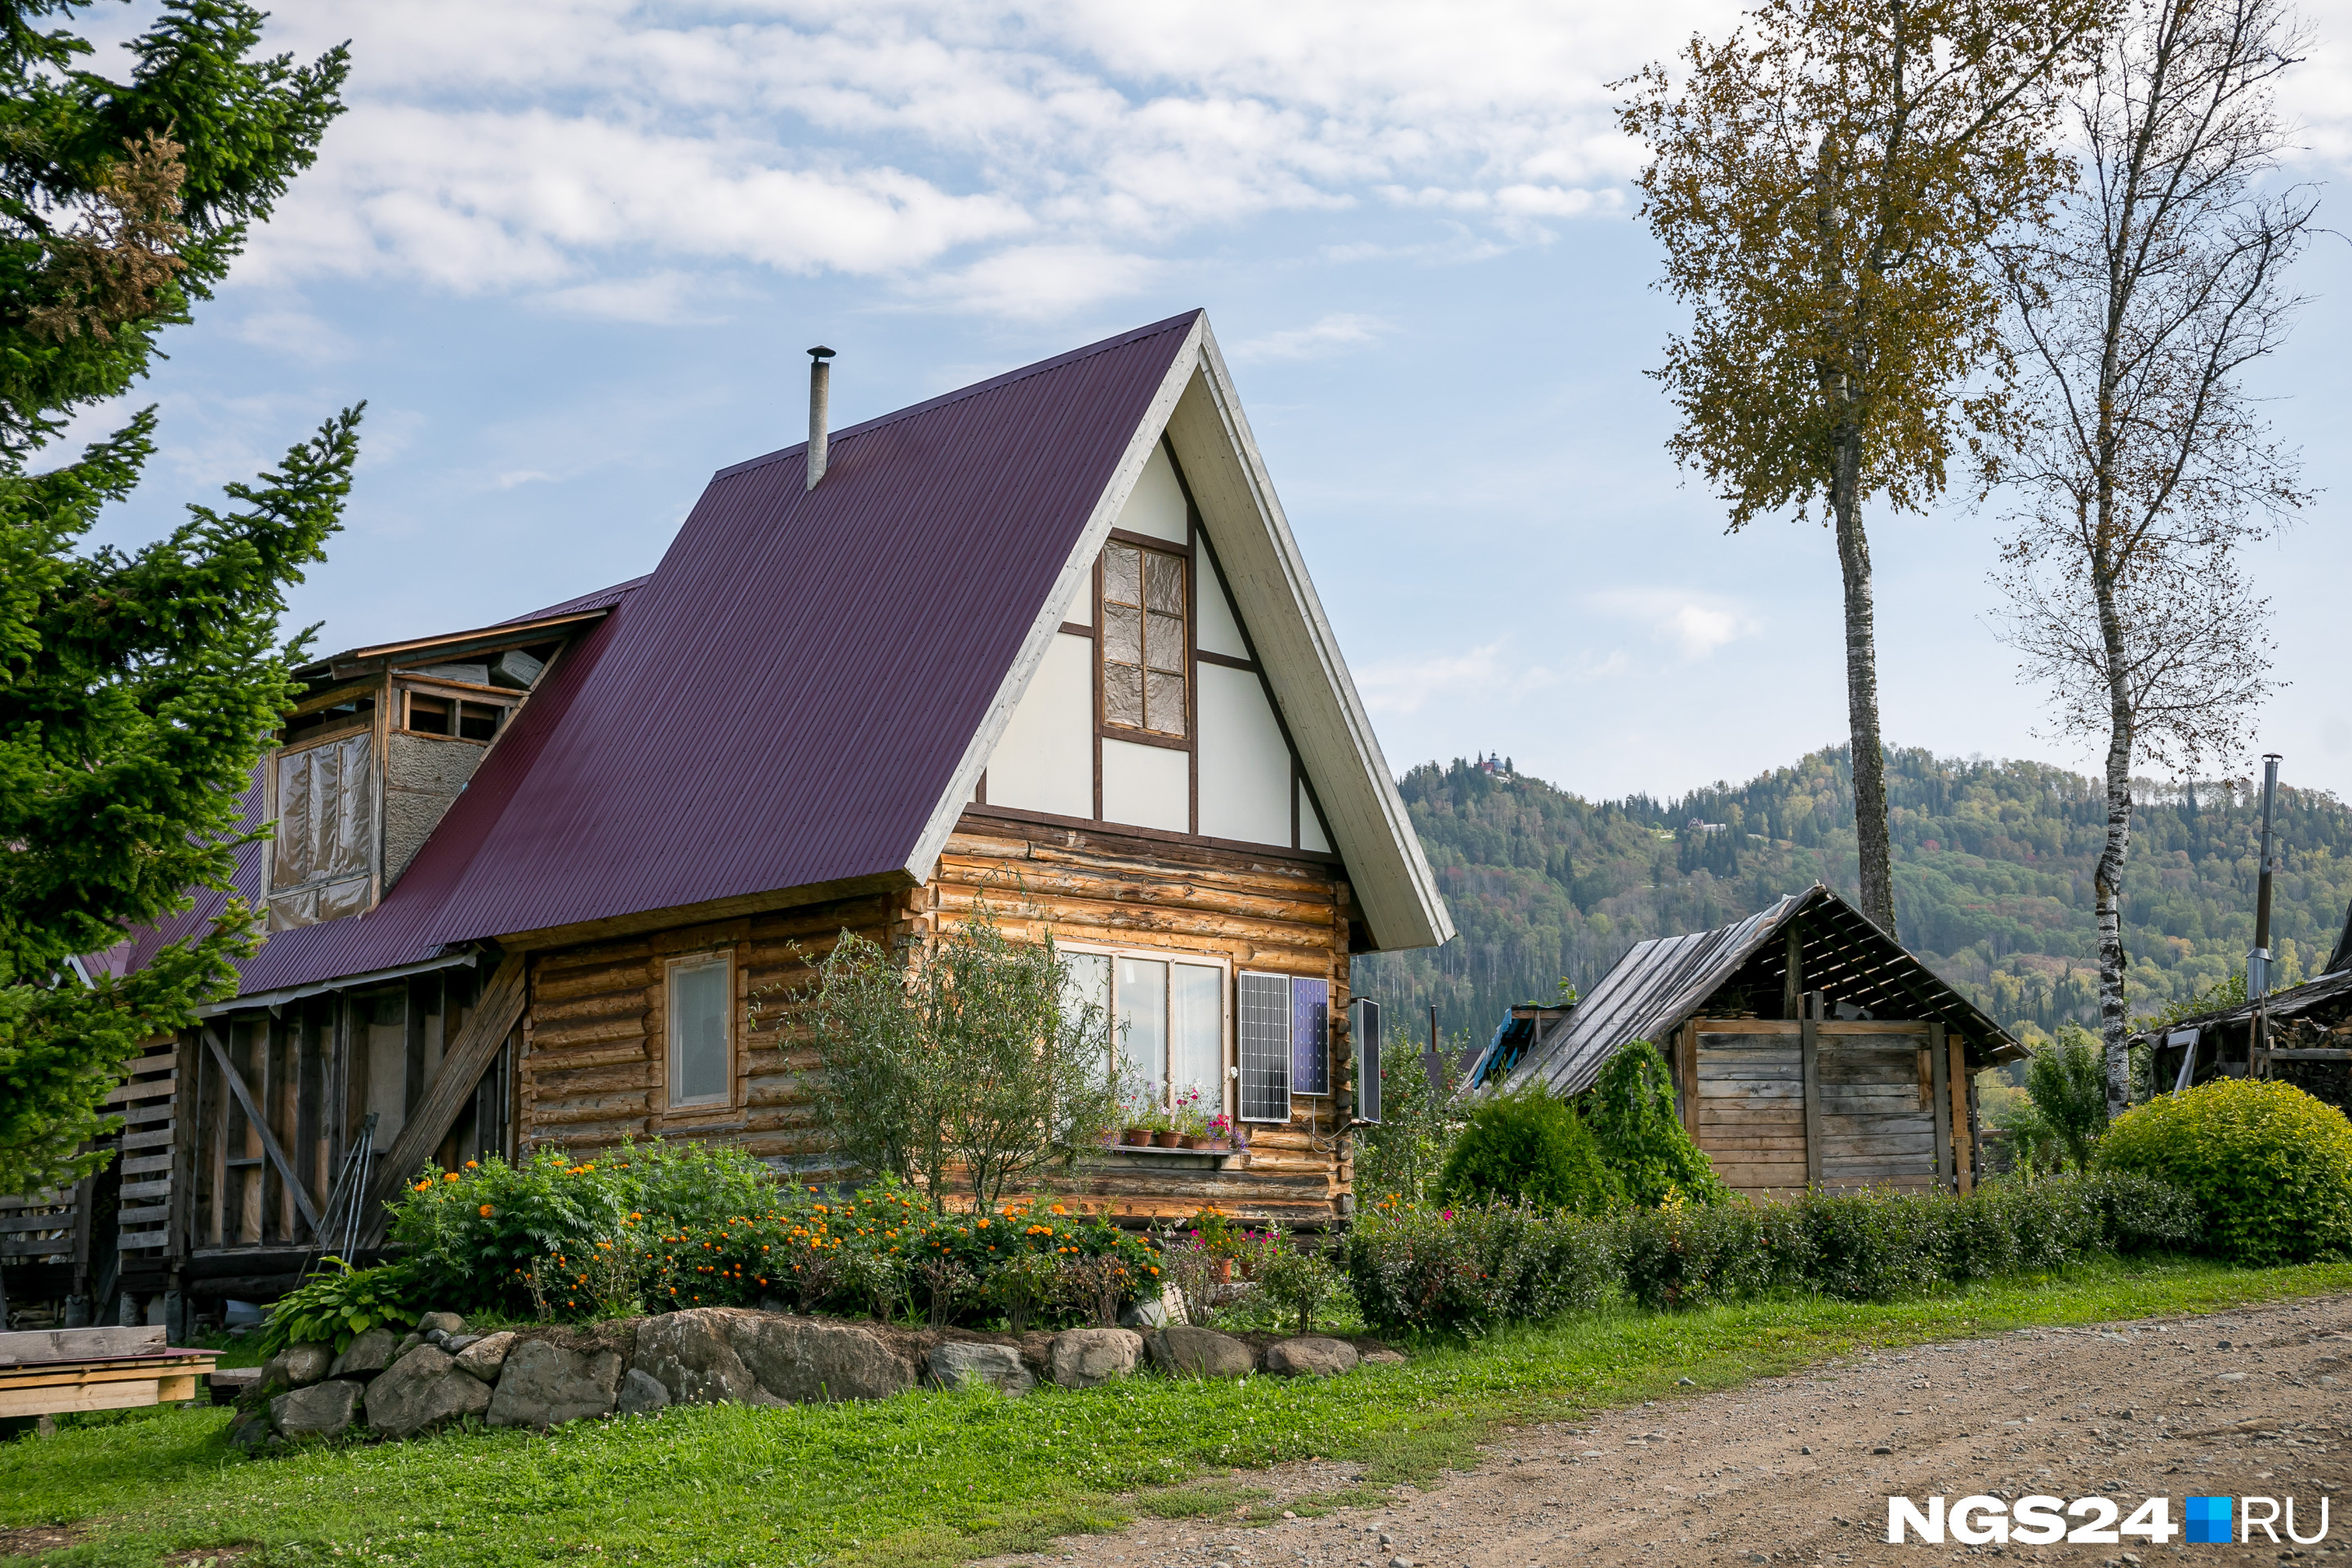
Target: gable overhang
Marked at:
1199, 415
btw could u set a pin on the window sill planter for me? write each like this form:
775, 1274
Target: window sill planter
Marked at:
1136, 1137
1167, 1139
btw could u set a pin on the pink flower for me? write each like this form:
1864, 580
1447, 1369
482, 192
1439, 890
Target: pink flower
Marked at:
1448, 1215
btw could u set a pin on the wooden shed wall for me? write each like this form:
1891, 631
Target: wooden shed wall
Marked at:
595, 1064
1863, 1111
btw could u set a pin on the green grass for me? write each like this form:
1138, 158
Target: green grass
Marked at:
933, 1478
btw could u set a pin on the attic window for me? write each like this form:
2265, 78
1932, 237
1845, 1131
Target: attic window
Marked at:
1144, 639
453, 716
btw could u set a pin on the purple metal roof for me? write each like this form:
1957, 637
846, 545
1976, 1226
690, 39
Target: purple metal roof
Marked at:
784, 700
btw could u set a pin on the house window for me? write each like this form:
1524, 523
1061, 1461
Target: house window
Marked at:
1143, 640
701, 1059
452, 716
1284, 1044
1167, 1023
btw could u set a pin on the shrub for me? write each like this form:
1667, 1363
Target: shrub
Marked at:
1295, 1281
1467, 1271
1528, 1147
1630, 1110
336, 1307
2141, 1214
1402, 1157
1685, 1256
2068, 1083
2269, 1166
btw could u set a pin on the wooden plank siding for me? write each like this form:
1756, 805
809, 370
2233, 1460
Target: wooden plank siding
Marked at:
595, 1069
1870, 1120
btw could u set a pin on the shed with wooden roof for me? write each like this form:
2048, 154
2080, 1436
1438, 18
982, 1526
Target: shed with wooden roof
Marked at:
1808, 1048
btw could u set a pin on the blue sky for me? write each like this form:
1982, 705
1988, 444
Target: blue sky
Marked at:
570, 253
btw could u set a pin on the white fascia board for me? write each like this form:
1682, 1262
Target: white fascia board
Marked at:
1074, 575
1266, 574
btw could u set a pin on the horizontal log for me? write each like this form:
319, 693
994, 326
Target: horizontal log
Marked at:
1851, 1148
566, 1036
146, 1115
143, 1088
559, 966
543, 1059
142, 1215
1044, 889
142, 1164
591, 1108
591, 1132
34, 1222
1869, 1170
595, 1007
1793, 1144
560, 1087
158, 1138
154, 1189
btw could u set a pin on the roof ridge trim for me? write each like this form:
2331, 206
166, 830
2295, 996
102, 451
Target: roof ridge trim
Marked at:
1007, 378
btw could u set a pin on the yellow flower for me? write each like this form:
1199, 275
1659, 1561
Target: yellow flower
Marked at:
473, 1164
449, 1176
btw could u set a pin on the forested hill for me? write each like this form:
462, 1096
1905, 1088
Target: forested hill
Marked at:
1992, 879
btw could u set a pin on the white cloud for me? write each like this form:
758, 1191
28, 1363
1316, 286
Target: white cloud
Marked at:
507, 481
1332, 333
1694, 625
982, 154
293, 333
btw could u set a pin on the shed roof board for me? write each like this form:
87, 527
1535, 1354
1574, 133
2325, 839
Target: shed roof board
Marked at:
801, 697
1662, 984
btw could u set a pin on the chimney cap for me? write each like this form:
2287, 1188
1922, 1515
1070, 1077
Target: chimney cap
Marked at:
820, 351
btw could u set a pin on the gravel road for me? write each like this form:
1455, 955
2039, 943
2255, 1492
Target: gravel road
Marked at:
1799, 1468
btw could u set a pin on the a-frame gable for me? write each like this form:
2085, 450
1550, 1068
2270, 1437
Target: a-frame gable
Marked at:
1276, 750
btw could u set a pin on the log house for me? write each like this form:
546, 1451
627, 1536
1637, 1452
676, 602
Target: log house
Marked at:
528, 883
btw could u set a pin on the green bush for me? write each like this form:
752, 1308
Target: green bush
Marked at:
1298, 1282
1681, 1256
475, 1235
1630, 1110
334, 1309
1471, 1270
2269, 1166
1529, 1147
2068, 1083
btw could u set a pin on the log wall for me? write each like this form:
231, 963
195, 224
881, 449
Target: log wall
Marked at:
595, 1069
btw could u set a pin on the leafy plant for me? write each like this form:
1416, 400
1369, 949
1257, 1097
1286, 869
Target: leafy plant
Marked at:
2269, 1166
1402, 1157
2068, 1082
968, 1054
1461, 1272
1297, 1280
334, 1309
1631, 1110
1530, 1147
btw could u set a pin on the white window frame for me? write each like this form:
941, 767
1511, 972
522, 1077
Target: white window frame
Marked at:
1224, 966
722, 959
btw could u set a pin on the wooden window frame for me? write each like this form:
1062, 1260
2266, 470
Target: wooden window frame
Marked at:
1228, 1091
723, 958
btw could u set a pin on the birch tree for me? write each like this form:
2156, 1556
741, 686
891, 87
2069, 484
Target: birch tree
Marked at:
2147, 466
1825, 183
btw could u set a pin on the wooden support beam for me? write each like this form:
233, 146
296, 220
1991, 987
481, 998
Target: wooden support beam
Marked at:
1809, 1055
1963, 1152
469, 1056
1939, 1063
235, 1081
411, 1034
1792, 986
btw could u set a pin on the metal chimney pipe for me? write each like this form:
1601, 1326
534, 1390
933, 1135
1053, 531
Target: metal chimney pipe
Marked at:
2259, 985
820, 389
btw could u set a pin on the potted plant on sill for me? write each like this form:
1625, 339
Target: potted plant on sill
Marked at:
1220, 1133
1164, 1132
1192, 1117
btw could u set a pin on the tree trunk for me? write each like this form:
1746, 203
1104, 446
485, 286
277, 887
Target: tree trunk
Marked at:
1877, 875
2107, 877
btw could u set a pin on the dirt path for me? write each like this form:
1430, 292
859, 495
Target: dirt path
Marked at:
1799, 1468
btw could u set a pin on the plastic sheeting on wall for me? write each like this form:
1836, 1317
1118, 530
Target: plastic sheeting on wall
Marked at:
324, 859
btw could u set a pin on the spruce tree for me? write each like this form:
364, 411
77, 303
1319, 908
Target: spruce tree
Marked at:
138, 689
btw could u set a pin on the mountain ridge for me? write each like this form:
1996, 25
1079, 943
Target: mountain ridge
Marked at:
1992, 879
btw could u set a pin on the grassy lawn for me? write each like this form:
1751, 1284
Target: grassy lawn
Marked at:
936, 1479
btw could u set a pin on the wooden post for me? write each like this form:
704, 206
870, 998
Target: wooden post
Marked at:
1963, 1155
412, 1029
1686, 1071
1792, 986
1946, 1170
1809, 1055
309, 1064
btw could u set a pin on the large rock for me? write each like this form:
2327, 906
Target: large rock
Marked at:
484, 1356
306, 1364
543, 1385
689, 1356
445, 1323
273, 1379
367, 1354
422, 1389
804, 1360
1183, 1352
1080, 1358
317, 1410
250, 1431
1310, 1355
998, 1366
641, 1395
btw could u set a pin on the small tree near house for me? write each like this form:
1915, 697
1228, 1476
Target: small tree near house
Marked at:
967, 1058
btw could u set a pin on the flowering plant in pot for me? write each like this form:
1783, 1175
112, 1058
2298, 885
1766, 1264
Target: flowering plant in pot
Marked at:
1165, 1133
1192, 1116
1221, 1133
